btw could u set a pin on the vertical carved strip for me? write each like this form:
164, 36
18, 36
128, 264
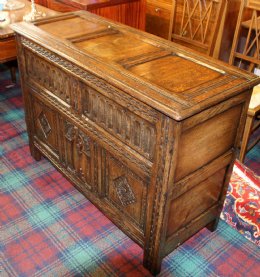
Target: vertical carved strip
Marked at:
110, 116
123, 128
128, 127
85, 98
146, 139
119, 122
137, 133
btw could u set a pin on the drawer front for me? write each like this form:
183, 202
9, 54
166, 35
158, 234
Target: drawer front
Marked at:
167, 4
157, 20
53, 79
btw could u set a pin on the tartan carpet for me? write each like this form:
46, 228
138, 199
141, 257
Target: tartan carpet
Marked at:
49, 229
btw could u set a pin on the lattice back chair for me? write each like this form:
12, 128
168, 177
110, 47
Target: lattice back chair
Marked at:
198, 24
245, 53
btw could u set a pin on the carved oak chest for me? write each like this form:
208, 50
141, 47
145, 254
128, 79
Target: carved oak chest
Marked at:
146, 129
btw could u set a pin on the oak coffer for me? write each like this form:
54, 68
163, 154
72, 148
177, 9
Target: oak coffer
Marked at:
146, 129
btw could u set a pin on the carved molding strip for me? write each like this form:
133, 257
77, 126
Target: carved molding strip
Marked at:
158, 190
124, 191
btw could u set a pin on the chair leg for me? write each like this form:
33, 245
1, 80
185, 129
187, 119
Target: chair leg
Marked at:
246, 135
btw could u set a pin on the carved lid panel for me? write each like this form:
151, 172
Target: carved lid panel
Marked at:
164, 75
115, 46
62, 28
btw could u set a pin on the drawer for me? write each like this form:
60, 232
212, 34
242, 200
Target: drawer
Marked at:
157, 20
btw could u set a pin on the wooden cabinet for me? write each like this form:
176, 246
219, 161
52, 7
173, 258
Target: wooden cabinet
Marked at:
144, 129
159, 17
129, 12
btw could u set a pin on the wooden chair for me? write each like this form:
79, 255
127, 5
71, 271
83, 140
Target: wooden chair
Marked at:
245, 53
198, 24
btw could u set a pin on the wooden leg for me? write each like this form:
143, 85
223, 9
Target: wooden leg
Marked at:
13, 73
153, 265
212, 226
246, 135
152, 261
36, 154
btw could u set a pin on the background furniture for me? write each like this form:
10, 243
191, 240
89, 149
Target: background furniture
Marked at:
196, 24
129, 120
252, 124
7, 40
245, 53
159, 17
199, 24
129, 12
161, 14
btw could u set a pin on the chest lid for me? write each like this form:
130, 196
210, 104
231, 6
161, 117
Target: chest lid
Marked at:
175, 80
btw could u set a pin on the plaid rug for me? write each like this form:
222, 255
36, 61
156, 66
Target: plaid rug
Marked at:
49, 229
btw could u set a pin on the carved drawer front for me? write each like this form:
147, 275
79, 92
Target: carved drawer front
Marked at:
126, 191
78, 154
45, 124
56, 81
120, 122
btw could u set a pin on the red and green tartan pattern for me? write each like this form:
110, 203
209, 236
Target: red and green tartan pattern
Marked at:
49, 229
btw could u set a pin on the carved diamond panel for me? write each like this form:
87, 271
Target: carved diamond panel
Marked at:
70, 131
124, 191
45, 125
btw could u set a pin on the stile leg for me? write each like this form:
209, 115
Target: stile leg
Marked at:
36, 154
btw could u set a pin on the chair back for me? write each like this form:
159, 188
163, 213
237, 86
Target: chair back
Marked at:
198, 24
245, 51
